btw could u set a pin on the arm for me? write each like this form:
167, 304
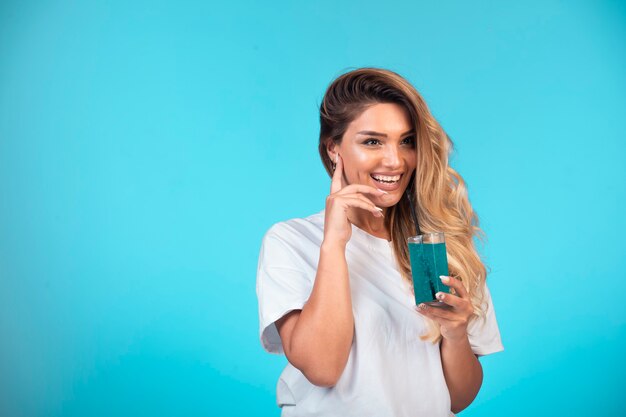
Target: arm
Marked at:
461, 368
317, 339
463, 372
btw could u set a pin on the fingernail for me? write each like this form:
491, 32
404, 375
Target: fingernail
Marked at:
382, 191
444, 278
439, 296
378, 208
422, 306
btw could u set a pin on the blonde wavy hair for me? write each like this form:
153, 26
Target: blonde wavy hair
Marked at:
438, 192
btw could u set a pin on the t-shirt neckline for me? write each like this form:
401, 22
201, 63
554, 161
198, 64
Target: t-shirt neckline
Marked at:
374, 241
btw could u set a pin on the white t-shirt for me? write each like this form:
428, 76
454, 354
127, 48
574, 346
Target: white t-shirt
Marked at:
390, 371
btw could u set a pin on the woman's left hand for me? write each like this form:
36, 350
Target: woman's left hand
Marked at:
454, 319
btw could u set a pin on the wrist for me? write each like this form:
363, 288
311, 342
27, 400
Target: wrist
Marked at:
332, 246
461, 341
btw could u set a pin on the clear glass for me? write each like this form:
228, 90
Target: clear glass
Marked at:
429, 260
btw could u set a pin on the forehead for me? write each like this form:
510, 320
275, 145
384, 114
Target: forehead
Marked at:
389, 118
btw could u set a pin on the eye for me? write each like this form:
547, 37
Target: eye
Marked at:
371, 141
409, 140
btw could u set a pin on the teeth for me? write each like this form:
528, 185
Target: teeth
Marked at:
385, 178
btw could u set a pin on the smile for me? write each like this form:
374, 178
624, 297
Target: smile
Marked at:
384, 179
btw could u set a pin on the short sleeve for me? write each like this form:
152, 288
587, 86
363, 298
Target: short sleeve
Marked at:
285, 276
483, 332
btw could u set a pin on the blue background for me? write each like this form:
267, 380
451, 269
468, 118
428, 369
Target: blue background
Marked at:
146, 147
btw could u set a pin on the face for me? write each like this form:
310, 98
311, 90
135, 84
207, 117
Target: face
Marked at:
378, 149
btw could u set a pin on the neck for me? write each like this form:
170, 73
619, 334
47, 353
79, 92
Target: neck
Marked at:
365, 220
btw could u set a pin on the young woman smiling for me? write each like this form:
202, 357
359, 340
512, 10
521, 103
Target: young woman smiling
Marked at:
335, 288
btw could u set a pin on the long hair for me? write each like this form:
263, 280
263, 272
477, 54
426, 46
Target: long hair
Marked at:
438, 192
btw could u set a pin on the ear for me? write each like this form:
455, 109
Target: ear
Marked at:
331, 149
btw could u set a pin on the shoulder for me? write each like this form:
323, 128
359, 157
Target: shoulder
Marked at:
292, 243
483, 329
293, 230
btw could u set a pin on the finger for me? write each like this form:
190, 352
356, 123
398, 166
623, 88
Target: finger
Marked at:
458, 286
370, 204
365, 189
336, 183
356, 202
450, 299
357, 195
436, 312
344, 180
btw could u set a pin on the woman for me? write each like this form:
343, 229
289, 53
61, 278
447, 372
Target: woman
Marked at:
335, 290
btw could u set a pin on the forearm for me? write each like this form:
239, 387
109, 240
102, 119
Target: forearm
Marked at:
323, 335
463, 372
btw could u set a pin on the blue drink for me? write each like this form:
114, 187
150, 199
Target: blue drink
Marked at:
428, 261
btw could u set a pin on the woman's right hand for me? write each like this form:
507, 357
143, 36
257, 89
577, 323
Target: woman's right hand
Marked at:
337, 224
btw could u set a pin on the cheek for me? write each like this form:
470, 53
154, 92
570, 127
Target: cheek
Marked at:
364, 167
360, 159
358, 166
366, 161
411, 162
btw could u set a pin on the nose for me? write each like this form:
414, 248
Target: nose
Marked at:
392, 157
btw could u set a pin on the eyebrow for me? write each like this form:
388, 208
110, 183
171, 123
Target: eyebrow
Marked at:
372, 133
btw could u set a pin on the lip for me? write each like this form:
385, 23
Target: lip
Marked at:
387, 187
387, 174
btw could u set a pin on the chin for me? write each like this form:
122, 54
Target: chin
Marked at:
390, 199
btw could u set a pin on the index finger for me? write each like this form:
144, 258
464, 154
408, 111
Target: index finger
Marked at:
336, 183
456, 284
363, 189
